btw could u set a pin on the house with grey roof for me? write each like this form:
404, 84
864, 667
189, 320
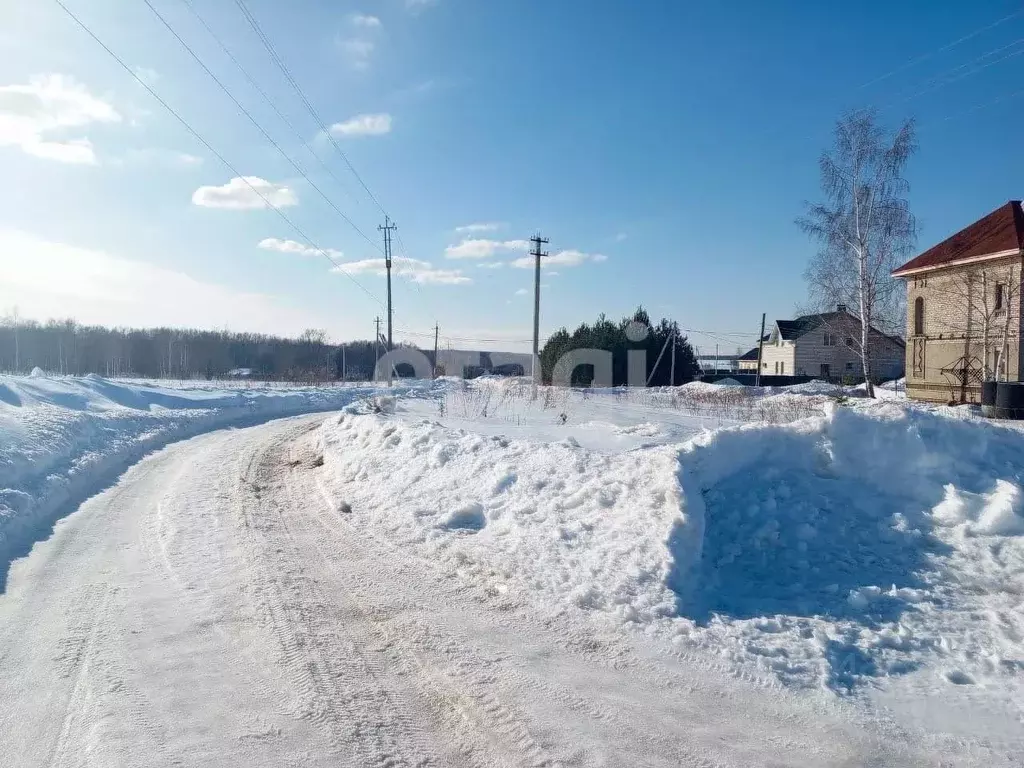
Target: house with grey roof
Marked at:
827, 345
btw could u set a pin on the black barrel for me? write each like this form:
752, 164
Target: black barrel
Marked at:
988, 392
1009, 400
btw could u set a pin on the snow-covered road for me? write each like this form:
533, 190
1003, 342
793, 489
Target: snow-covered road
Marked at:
213, 609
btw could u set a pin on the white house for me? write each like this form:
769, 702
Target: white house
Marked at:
827, 346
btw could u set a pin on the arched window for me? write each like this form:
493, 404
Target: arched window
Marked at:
919, 316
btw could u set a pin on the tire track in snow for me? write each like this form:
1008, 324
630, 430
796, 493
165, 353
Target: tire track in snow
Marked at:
478, 690
319, 653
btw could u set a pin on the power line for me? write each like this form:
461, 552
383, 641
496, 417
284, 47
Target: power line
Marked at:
286, 72
279, 62
945, 78
270, 102
199, 137
946, 47
256, 123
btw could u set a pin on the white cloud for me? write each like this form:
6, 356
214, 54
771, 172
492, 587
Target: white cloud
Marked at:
570, 258
417, 5
415, 270
300, 249
552, 274
522, 292
491, 265
358, 50
45, 279
245, 193
364, 20
77, 151
486, 226
166, 158
363, 125
478, 248
32, 113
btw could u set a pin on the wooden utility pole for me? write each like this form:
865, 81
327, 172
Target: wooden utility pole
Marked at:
386, 229
537, 241
760, 351
437, 330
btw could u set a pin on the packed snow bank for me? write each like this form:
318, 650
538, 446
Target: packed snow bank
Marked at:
861, 545
63, 438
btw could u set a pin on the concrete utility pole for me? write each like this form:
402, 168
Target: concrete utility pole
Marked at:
760, 351
376, 346
437, 330
672, 369
537, 241
386, 229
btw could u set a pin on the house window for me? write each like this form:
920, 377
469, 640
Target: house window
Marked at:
826, 371
776, 367
782, 368
1000, 297
849, 342
849, 366
830, 339
919, 316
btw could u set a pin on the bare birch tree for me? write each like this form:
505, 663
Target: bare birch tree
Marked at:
864, 227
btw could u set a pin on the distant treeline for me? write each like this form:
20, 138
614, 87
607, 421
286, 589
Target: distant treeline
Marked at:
65, 347
612, 337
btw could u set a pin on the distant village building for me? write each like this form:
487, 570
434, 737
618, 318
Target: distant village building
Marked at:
826, 346
718, 363
964, 309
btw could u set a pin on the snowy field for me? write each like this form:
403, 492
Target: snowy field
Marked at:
805, 540
64, 438
873, 550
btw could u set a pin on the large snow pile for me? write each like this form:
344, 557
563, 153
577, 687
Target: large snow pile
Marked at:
864, 545
63, 438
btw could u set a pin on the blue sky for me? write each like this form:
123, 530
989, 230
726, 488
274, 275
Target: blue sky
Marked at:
665, 149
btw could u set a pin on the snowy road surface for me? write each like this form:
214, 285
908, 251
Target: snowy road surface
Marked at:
211, 609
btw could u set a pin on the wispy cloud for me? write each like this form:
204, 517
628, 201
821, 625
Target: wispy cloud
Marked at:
485, 226
31, 114
245, 193
522, 292
621, 237
491, 264
297, 248
419, 5
48, 279
364, 20
570, 258
363, 125
479, 248
162, 158
417, 271
358, 50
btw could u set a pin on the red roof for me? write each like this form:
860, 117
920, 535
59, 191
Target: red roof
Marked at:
1002, 230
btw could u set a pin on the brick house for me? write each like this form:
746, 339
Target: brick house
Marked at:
964, 309
826, 346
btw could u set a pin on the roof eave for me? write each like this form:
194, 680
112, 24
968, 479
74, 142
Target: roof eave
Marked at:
956, 263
